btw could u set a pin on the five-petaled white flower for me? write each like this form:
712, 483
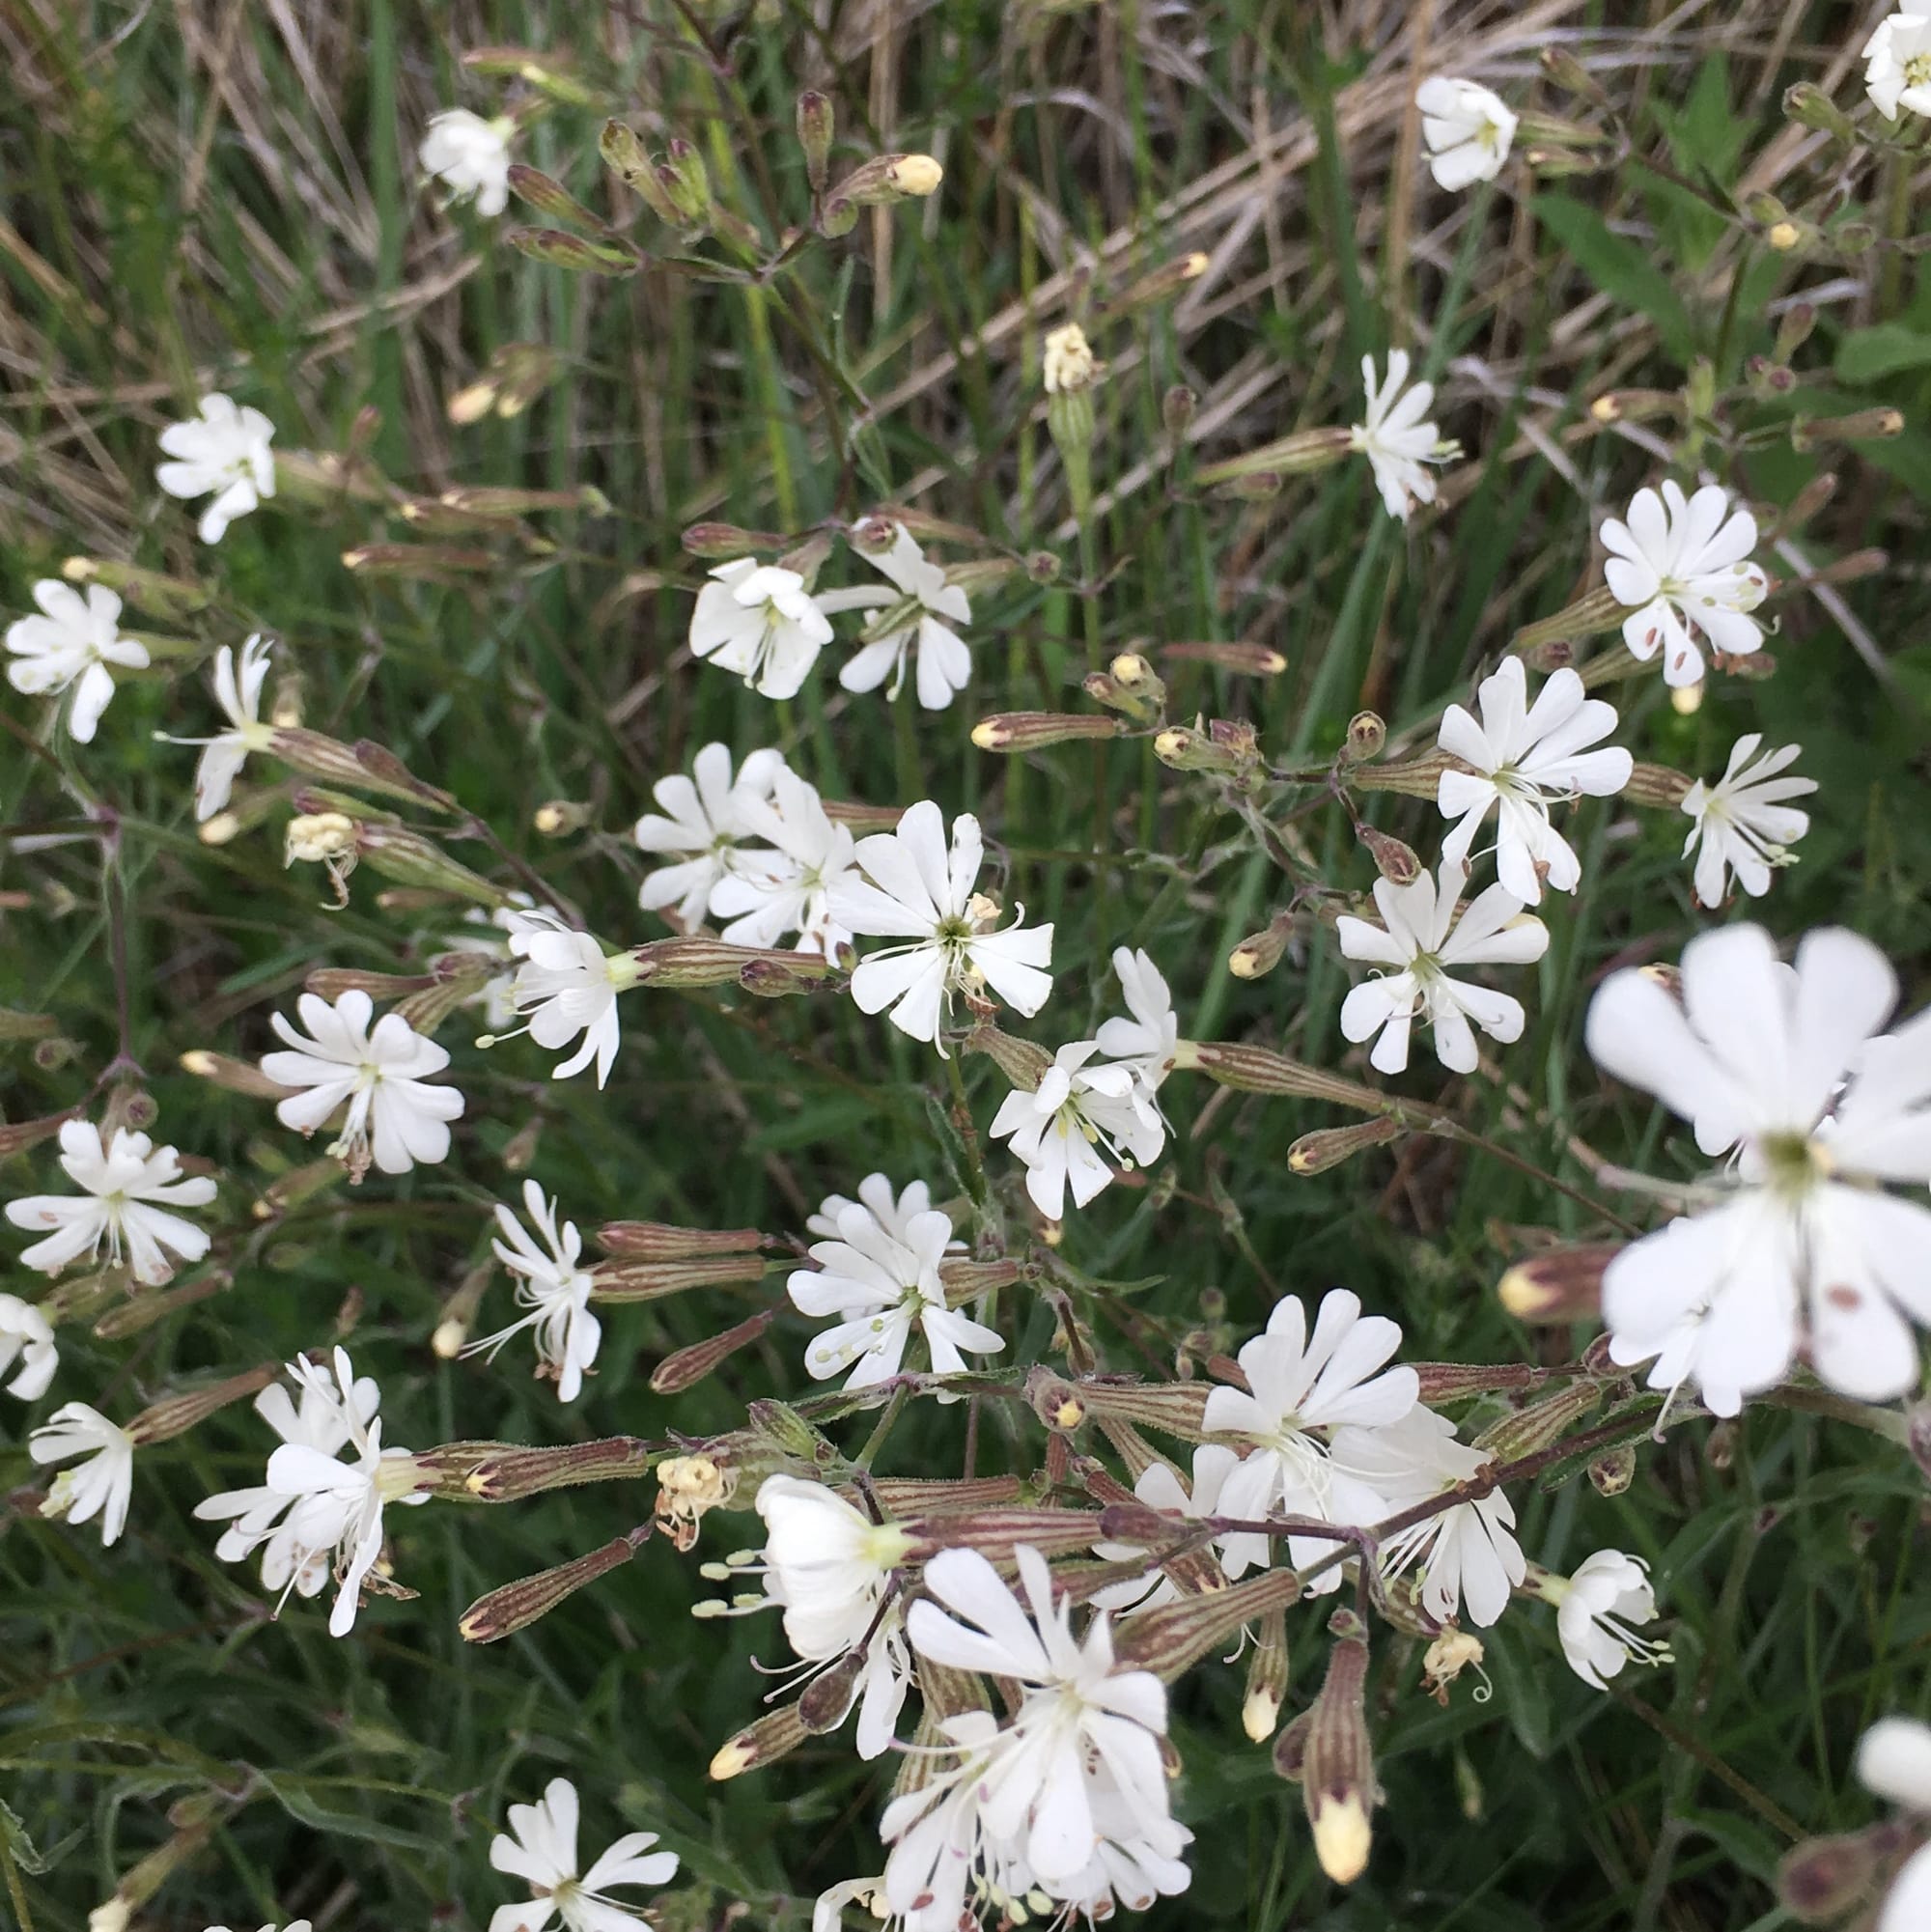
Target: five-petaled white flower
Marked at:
1422, 942
1897, 72
238, 690
1467, 1556
541, 1848
785, 886
262, 1518
912, 890
553, 1286
883, 1287
1078, 1769
1596, 1611
1299, 1390
1802, 1245
1059, 1128
568, 985
1741, 824
335, 1505
1158, 1487
1522, 759
26, 1337
920, 616
1397, 439
702, 822
72, 642
1467, 130
1683, 564
121, 1179
1895, 1762
102, 1484
394, 1116
760, 621
470, 156
830, 1568
1143, 1043
222, 452
892, 1212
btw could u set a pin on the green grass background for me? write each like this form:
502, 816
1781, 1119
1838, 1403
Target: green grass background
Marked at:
227, 195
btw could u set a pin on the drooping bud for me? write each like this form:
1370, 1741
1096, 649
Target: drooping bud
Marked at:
691, 1365
513, 1607
758, 1744
625, 1280
241, 1076
560, 817
1176, 411
1559, 1284
1329, 1146
1367, 738
1338, 1769
1259, 953
1019, 730
458, 1311
659, 1240
577, 253
1267, 1679
170, 599
1395, 859
175, 1414
1612, 1472
1822, 1880
1810, 106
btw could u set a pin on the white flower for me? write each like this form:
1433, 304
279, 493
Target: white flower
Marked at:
541, 1847
1080, 1764
238, 690
26, 1337
1897, 70
1524, 758
760, 621
1467, 1558
568, 985
1895, 1762
393, 1115
1467, 130
72, 643
1058, 1128
1595, 1611
893, 1213
554, 1287
223, 452
1804, 1246
1300, 1389
102, 1484
832, 1568
293, 1925
1158, 1487
121, 1177
785, 886
705, 820
337, 1506
1397, 440
883, 1287
1741, 821
470, 156
1143, 1043
262, 1518
944, 666
1682, 564
913, 890
1422, 942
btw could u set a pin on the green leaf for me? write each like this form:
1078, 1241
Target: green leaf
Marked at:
21, 1849
1521, 1689
1867, 355
1620, 268
300, 1807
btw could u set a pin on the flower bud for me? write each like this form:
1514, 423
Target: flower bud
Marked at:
1256, 1070
1396, 860
1032, 730
330, 983
1068, 363
364, 765
15, 1025
1810, 106
505, 1473
1657, 786
150, 1306
1188, 749
889, 178
997, 1532
1329, 1146
1302, 454
418, 563
577, 253
1267, 1679
1259, 953
1822, 1880
1793, 331
1171, 1639
1524, 1431
1570, 74
726, 541
1023, 1062
1161, 285
1865, 426
410, 859
659, 1240
825, 1701
454, 978
176, 1414
625, 156
691, 1365
758, 1744
1174, 1409
836, 219
1559, 1284
1338, 1769
652, 1280
1176, 411
170, 599
458, 1311
704, 962
515, 1606
967, 1280
241, 1076
815, 126
1253, 660
298, 1187
559, 818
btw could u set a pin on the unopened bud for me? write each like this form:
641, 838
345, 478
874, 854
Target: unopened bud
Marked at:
153, 1305
725, 540
1558, 1285
418, 563
763, 1743
504, 1472
577, 253
1176, 411
550, 197
886, 179
239, 1077
702, 961
1822, 1880
17, 1136
1338, 1769
1865, 426
815, 126
1367, 738
1793, 330
1018, 731
1023, 1062
1173, 1638
691, 1365
458, 1312
1327, 1147
1190, 749
625, 156
1259, 953
176, 1414
410, 859
1810, 106
652, 1280
1267, 1679
167, 597
1394, 858
1160, 286
1298, 455
823, 1702
659, 1240
1542, 1422
967, 1280
515, 1606
1253, 660
1569, 73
